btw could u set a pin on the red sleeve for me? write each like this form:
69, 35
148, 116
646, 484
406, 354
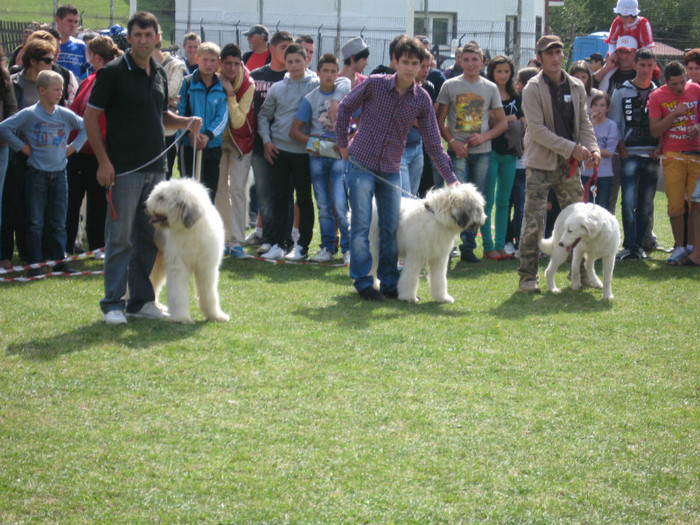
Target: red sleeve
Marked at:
614, 31
646, 38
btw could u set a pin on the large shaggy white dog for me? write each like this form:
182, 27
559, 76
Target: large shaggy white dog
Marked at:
190, 237
587, 230
426, 235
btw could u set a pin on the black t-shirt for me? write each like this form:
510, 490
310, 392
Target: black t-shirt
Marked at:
263, 77
133, 103
511, 106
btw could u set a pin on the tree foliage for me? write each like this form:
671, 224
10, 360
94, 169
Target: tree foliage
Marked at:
674, 22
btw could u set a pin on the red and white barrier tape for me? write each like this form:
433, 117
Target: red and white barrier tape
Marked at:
46, 264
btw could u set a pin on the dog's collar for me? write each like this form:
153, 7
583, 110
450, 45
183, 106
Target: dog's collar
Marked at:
427, 207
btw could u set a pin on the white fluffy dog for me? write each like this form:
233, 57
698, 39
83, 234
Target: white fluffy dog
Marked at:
426, 234
587, 230
190, 238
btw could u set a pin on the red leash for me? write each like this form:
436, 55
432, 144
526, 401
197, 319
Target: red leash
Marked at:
112, 209
573, 164
592, 183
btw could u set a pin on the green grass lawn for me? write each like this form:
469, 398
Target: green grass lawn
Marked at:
311, 406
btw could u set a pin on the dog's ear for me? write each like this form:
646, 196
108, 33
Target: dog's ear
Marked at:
592, 226
190, 214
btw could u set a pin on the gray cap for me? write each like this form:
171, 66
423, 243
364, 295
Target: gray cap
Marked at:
257, 29
353, 47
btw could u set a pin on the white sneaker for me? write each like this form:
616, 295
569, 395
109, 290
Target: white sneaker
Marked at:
346, 258
252, 239
509, 248
296, 254
264, 248
99, 256
275, 253
322, 256
114, 317
149, 311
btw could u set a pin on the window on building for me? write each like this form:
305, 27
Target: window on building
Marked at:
441, 27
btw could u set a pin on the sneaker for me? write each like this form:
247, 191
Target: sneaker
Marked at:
346, 258
370, 294
391, 294
99, 256
322, 256
227, 250
517, 253
275, 253
238, 252
509, 248
468, 256
65, 268
114, 317
252, 239
529, 286
264, 248
454, 253
677, 253
297, 254
627, 255
149, 311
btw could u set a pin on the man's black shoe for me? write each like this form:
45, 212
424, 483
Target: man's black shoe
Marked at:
370, 294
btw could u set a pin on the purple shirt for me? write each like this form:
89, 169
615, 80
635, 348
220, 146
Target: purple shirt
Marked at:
386, 119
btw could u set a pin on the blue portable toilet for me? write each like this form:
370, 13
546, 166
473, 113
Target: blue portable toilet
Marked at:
585, 46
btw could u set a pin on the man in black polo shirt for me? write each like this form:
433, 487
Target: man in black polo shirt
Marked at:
133, 93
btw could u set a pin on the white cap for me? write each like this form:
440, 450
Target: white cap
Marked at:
627, 7
628, 42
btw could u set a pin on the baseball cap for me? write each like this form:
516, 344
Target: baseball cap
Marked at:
547, 41
353, 47
627, 42
627, 8
257, 29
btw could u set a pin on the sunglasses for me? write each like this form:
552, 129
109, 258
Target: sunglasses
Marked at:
46, 60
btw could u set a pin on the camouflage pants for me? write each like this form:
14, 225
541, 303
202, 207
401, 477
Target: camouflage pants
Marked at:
537, 185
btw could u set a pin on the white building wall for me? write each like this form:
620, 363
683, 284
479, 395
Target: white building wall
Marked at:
223, 21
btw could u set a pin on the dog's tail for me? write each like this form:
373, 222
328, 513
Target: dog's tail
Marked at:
546, 245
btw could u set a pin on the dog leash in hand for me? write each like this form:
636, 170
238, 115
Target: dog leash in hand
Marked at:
112, 209
379, 177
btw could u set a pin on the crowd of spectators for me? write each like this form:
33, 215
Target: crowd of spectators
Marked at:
265, 116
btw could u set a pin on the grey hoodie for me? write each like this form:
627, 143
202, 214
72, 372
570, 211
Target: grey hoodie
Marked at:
630, 113
280, 107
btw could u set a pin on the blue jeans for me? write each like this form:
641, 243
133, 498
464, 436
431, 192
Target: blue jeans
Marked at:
411, 169
329, 191
363, 187
129, 247
475, 169
517, 199
263, 192
603, 187
47, 202
498, 188
4, 158
638, 186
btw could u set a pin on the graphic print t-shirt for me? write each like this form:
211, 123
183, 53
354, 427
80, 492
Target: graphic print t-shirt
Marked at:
468, 108
662, 101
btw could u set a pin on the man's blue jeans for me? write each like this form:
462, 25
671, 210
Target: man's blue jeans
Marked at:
363, 187
47, 205
4, 158
411, 169
638, 186
475, 169
263, 191
129, 247
330, 194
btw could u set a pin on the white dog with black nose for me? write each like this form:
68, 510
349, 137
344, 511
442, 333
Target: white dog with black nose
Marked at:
426, 234
190, 239
589, 231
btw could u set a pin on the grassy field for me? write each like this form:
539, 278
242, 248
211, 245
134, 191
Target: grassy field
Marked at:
311, 406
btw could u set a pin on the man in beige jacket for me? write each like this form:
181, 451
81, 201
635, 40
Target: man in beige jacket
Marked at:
558, 129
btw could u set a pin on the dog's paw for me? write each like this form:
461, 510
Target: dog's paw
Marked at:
556, 290
447, 299
409, 299
608, 297
220, 317
575, 284
597, 284
181, 319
